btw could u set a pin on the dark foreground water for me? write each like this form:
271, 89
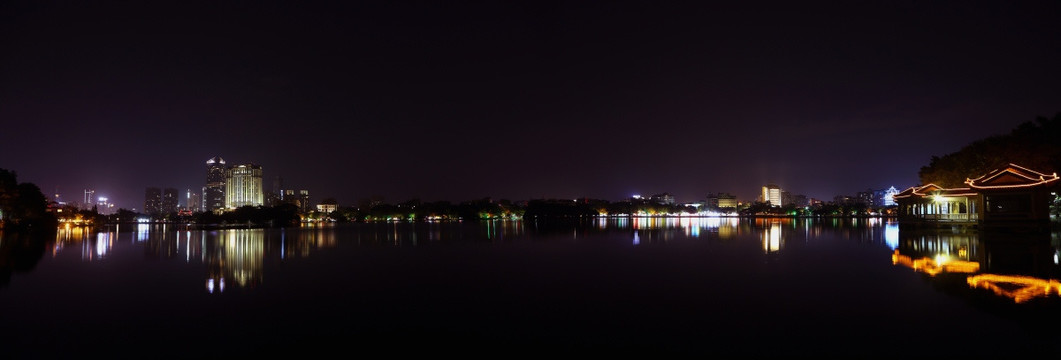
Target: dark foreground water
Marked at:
644, 287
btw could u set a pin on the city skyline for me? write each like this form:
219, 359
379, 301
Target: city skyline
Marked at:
514, 100
219, 175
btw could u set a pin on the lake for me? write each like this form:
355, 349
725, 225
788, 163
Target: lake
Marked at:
618, 286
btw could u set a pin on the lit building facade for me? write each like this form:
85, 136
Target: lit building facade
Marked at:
727, 201
888, 198
243, 186
772, 195
214, 191
721, 201
327, 208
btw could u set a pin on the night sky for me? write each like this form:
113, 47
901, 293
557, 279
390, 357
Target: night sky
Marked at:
442, 100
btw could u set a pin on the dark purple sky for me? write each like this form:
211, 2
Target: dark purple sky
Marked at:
514, 100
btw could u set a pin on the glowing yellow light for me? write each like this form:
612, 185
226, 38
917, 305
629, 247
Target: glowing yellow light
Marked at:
932, 267
1018, 288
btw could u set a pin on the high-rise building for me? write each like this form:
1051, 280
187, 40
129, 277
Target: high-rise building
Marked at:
193, 202
90, 199
214, 191
772, 195
169, 200
153, 201
243, 186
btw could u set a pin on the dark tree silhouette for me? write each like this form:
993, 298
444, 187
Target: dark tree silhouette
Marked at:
22, 205
1034, 145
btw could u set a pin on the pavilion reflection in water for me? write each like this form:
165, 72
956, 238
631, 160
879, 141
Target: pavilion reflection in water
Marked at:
1018, 266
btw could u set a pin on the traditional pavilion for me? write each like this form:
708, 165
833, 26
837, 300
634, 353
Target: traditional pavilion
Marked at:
1009, 197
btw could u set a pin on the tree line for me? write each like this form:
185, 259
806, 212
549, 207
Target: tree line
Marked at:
1032, 144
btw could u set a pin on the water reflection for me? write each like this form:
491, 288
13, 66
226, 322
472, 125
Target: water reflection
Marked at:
232, 257
93, 244
20, 252
239, 256
772, 237
662, 229
1021, 267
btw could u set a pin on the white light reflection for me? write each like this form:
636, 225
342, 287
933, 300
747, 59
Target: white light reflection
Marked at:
218, 285
188, 246
712, 222
637, 240
891, 235
103, 242
142, 231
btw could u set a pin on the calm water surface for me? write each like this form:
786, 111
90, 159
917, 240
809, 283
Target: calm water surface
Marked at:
699, 286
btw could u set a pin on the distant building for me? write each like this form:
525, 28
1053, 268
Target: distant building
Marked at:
214, 191
721, 201
272, 198
104, 206
243, 186
193, 201
887, 196
299, 198
662, 199
772, 195
328, 205
153, 201
846, 200
877, 198
638, 200
866, 197
89, 200
169, 200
